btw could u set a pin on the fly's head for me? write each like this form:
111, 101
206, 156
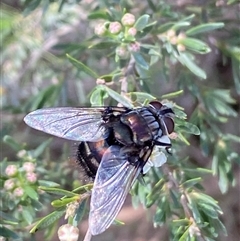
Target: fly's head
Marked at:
164, 115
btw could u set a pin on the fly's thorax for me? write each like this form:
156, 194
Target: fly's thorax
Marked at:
142, 124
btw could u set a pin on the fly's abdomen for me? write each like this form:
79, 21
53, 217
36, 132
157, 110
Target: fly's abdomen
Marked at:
89, 155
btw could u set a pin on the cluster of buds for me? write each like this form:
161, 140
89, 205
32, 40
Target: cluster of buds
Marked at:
15, 175
123, 31
126, 26
175, 39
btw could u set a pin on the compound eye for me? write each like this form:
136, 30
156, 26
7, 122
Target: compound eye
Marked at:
156, 104
169, 124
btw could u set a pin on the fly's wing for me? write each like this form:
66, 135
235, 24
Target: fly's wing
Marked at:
114, 178
78, 124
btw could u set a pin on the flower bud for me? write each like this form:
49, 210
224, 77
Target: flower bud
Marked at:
9, 184
29, 166
115, 27
134, 47
122, 52
21, 153
128, 19
173, 40
11, 170
18, 192
100, 81
171, 33
100, 30
68, 232
181, 36
132, 31
181, 47
31, 177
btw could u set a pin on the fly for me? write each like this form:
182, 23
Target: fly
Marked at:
116, 144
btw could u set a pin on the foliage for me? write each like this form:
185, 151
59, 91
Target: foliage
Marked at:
105, 53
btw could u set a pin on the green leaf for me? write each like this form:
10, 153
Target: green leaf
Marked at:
48, 183
185, 60
188, 18
36, 205
9, 217
104, 45
140, 60
236, 73
119, 98
184, 237
58, 191
192, 182
12, 143
179, 25
79, 213
193, 205
223, 180
142, 22
203, 28
208, 210
99, 14
141, 97
82, 67
204, 198
188, 127
197, 171
180, 222
30, 6
7, 233
146, 30
63, 202
46, 97
97, 96
48, 220
195, 45
31, 192
40, 149
182, 138
164, 27
27, 215
172, 95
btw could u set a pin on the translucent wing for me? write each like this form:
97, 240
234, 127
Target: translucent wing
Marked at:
114, 178
78, 124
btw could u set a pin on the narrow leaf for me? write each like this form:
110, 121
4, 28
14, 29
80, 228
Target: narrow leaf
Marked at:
7, 233
82, 67
63, 202
185, 60
192, 182
31, 192
172, 94
195, 45
204, 28
140, 97
119, 98
12, 143
48, 220
58, 191
140, 60
142, 22
80, 212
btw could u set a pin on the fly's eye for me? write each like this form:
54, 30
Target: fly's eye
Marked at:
156, 104
169, 124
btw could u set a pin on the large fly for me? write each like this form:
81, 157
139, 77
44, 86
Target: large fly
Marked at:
115, 147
